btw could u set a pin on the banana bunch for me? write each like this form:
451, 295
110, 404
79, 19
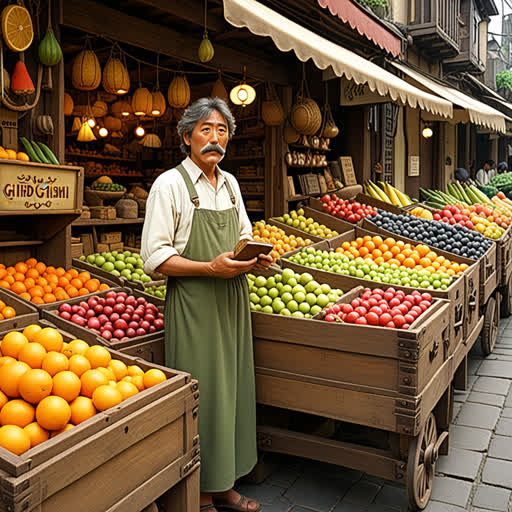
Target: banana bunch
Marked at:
387, 193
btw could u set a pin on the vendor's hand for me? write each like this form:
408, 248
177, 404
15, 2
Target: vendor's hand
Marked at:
264, 261
225, 266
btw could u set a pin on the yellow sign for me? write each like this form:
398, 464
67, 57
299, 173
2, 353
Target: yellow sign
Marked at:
29, 188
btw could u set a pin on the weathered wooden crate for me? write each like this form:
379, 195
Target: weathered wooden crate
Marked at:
489, 274
120, 460
366, 375
461, 309
504, 257
99, 272
24, 311
151, 345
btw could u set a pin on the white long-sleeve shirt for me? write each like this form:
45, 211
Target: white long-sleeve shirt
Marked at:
169, 211
483, 177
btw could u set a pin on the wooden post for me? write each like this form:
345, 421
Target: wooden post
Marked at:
183, 497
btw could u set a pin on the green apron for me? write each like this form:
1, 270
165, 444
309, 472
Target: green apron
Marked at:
208, 333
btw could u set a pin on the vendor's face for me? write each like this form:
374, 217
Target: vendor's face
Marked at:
210, 131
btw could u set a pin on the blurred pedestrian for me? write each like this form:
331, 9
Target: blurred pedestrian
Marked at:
502, 167
461, 174
484, 175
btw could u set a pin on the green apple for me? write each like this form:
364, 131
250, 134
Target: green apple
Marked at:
299, 296
322, 300
265, 300
285, 312
260, 281
273, 293
262, 291
254, 298
286, 297
292, 306
267, 309
315, 309
287, 274
298, 314
99, 261
311, 299
278, 305
304, 307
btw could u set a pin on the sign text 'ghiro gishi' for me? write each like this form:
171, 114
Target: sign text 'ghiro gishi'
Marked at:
23, 189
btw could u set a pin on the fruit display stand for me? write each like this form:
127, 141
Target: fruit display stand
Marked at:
149, 347
504, 264
395, 382
25, 312
39, 202
463, 290
87, 465
482, 300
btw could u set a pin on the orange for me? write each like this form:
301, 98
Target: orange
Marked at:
93, 284
63, 281
17, 412
18, 277
12, 343
31, 262
18, 288
36, 291
61, 294
66, 385
40, 267
135, 370
53, 413
3, 273
29, 283
6, 359
35, 385
138, 382
77, 283
49, 297
11, 270
105, 397
8, 312
60, 271
33, 273
376, 253
76, 347
72, 291
41, 281
21, 267
98, 356
107, 372
119, 368
84, 276
409, 263
82, 409
9, 279
91, 380
50, 338
31, 331
55, 362
33, 354
127, 389
387, 255
104, 287
78, 364
73, 272
37, 300
36, 433
3, 399
14, 439
53, 280
153, 377
50, 269
4, 284
83, 291
69, 426
25, 296
425, 262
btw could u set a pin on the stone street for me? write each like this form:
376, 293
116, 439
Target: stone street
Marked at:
476, 475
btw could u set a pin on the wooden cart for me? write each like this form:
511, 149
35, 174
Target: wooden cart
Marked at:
393, 384
87, 465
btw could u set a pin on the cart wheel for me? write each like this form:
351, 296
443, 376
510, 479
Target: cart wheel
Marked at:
490, 329
423, 454
506, 299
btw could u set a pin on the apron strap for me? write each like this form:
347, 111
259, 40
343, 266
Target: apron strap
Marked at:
230, 191
190, 186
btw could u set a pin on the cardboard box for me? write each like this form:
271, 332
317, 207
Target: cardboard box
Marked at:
111, 238
118, 246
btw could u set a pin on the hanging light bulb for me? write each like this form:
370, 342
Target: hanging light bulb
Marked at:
91, 122
427, 132
139, 131
103, 132
243, 94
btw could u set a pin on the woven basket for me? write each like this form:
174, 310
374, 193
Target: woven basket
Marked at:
96, 197
127, 209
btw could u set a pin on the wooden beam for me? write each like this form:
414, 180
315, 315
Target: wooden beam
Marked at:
92, 17
191, 10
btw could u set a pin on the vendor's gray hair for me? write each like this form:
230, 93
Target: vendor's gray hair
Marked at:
202, 109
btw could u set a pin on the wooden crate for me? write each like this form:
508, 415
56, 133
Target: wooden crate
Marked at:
456, 292
26, 313
77, 249
87, 465
49, 312
504, 257
103, 212
111, 237
99, 272
489, 274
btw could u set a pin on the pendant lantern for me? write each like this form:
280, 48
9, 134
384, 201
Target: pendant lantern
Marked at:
85, 133
112, 124
116, 79
77, 124
271, 109
243, 94
142, 102
122, 108
206, 51
86, 70
152, 140
158, 103
68, 104
178, 93
99, 109
219, 90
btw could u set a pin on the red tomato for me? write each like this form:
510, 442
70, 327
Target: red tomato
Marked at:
361, 321
375, 309
385, 319
361, 311
372, 318
352, 317
399, 320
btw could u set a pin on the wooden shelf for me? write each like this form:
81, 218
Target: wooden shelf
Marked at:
307, 167
245, 136
254, 210
20, 243
106, 222
297, 197
250, 178
253, 194
248, 157
99, 157
123, 175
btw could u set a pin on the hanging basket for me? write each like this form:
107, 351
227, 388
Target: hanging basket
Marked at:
271, 109
291, 135
219, 90
328, 129
116, 79
305, 115
178, 93
86, 70
68, 104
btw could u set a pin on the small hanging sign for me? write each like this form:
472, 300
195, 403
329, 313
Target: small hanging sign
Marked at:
414, 166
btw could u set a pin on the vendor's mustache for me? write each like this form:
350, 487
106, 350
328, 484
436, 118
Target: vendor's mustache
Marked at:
213, 147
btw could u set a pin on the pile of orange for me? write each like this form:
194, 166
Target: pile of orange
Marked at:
48, 386
283, 243
34, 281
6, 311
397, 252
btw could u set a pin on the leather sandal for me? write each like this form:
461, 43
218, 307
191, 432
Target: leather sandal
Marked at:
239, 506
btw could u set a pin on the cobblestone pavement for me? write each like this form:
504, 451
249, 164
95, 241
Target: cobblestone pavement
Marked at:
476, 475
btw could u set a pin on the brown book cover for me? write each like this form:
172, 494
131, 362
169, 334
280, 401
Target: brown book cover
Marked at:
248, 249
